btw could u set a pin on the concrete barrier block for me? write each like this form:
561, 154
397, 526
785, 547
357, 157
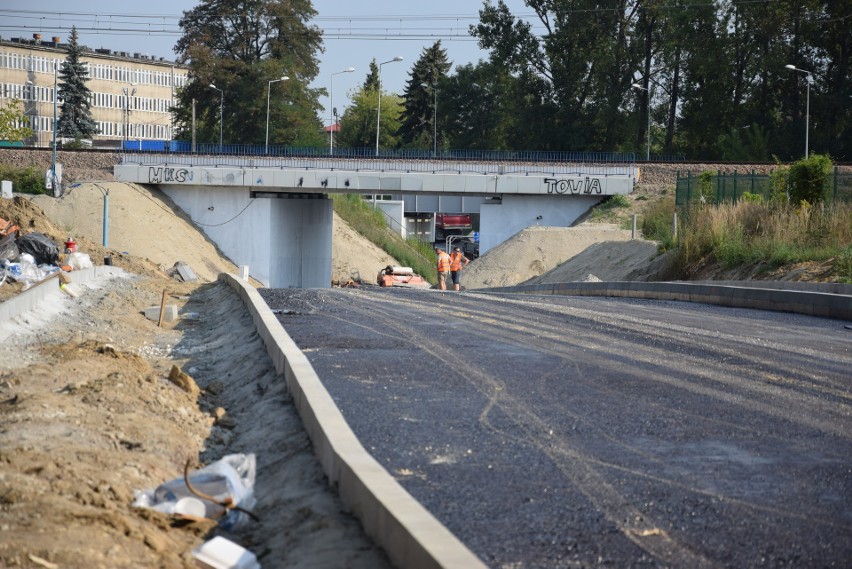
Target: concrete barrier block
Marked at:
153, 313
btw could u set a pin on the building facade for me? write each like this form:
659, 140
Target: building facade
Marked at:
131, 93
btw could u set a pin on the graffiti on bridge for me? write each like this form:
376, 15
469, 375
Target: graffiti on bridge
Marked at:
162, 175
585, 185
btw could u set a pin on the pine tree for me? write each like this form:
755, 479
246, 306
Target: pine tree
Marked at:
371, 83
421, 94
75, 119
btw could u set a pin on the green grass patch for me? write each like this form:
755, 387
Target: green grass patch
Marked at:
606, 209
657, 222
773, 233
370, 223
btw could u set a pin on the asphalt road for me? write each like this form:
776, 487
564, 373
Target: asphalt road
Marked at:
566, 431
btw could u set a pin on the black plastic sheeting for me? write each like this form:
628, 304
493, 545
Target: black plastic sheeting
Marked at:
43, 249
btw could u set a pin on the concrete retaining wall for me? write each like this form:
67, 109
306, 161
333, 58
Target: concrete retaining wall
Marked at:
825, 304
411, 536
31, 298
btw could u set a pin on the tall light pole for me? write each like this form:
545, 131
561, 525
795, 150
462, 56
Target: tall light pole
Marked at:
53, 181
379, 110
641, 88
435, 131
331, 110
268, 91
127, 97
221, 115
808, 78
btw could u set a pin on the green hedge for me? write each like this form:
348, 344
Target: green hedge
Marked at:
24, 180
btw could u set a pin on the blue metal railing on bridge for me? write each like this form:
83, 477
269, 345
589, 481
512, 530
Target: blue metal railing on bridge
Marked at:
180, 146
366, 159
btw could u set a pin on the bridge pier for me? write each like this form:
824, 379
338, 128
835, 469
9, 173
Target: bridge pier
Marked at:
285, 240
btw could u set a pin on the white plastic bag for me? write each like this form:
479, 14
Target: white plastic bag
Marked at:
231, 477
78, 261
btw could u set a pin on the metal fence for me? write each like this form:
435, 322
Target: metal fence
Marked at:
730, 188
279, 151
366, 159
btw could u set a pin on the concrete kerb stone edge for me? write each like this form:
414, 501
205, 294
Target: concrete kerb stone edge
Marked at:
30, 299
822, 304
410, 535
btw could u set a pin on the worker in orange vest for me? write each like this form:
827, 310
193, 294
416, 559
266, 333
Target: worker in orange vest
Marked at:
443, 268
457, 262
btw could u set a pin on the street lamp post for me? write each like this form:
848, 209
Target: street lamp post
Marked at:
53, 181
127, 97
808, 78
379, 110
331, 110
221, 114
641, 88
435, 125
268, 91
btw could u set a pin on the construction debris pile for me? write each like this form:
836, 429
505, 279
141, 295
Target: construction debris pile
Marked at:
31, 258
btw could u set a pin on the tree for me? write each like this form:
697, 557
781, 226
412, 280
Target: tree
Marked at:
579, 68
12, 119
371, 82
240, 46
420, 98
358, 123
471, 100
75, 119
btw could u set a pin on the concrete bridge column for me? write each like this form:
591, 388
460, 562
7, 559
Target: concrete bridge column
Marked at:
300, 243
285, 241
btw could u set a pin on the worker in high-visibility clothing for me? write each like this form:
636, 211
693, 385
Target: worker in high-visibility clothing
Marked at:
443, 268
457, 262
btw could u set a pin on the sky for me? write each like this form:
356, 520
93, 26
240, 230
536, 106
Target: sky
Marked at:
355, 33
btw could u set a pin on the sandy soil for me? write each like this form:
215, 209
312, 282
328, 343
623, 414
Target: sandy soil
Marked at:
534, 251
89, 415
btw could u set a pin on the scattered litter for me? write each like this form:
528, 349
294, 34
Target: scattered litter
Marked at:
72, 289
225, 487
221, 553
26, 271
40, 246
78, 261
8, 248
8, 227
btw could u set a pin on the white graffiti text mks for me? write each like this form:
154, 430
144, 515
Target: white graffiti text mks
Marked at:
576, 186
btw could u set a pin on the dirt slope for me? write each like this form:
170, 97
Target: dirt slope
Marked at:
89, 416
534, 251
634, 260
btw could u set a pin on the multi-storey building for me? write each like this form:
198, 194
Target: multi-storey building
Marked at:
131, 93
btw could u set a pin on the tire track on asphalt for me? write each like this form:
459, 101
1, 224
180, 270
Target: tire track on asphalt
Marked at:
541, 337
765, 385
577, 467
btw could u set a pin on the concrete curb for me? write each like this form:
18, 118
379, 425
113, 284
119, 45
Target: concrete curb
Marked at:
411, 536
823, 304
31, 298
